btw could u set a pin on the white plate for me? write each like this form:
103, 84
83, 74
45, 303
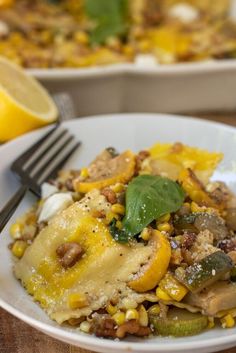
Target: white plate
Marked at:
121, 131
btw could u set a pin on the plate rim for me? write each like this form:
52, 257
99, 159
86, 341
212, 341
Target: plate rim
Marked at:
94, 342
120, 115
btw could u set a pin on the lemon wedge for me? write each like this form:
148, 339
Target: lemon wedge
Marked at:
151, 274
118, 170
24, 103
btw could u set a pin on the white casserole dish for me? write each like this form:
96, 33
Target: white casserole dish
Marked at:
147, 86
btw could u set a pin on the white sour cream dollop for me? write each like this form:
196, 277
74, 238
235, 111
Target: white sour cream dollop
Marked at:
54, 204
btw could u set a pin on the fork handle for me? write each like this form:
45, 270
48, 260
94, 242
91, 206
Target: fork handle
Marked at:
10, 207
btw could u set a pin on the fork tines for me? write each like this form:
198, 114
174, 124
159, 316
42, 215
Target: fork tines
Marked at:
47, 158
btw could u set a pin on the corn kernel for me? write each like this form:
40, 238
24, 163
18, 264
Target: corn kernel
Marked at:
129, 303
119, 318
15, 230
164, 218
211, 322
118, 188
111, 309
81, 37
164, 227
145, 234
84, 173
143, 316
131, 314
144, 46
118, 208
113, 43
154, 310
195, 208
77, 300
198, 196
85, 326
128, 50
110, 216
162, 294
19, 248
227, 321
170, 285
187, 205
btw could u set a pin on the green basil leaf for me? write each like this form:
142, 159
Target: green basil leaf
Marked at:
99, 8
109, 16
105, 30
149, 197
119, 235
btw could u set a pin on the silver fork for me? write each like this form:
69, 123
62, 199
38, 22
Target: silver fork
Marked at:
38, 164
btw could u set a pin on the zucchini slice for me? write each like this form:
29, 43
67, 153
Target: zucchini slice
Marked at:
209, 270
200, 221
179, 322
186, 223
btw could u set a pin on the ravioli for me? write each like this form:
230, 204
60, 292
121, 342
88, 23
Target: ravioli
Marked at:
101, 274
170, 159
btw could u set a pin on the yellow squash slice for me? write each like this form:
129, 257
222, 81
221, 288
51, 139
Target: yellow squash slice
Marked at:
170, 159
116, 170
196, 190
151, 274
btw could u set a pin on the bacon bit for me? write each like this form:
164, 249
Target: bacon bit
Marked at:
177, 147
103, 326
69, 185
132, 327
110, 195
142, 155
152, 13
227, 245
188, 240
69, 254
